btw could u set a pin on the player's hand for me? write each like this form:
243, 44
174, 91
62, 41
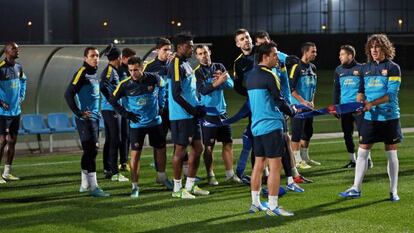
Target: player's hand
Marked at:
367, 106
308, 104
86, 114
133, 117
4, 105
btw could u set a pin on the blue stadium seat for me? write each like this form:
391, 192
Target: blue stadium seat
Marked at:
34, 124
59, 123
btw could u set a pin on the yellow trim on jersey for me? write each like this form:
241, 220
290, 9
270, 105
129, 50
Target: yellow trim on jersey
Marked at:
2, 63
147, 63
119, 85
234, 64
78, 75
198, 67
283, 69
394, 78
108, 74
274, 76
238, 57
176, 69
292, 71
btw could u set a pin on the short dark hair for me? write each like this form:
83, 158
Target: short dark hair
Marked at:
181, 38
200, 46
87, 49
128, 52
240, 31
262, 34
135, 60
162, 42
349, 49
265, 49
306, 46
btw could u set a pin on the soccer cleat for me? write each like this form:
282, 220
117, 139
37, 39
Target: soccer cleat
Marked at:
10, 177
311, 162
351, 164
254, 209
135, 193
84, 189
370, 163
295, 188
350, 193
212, 181
394, 197
278, 211
183, 194
245, 179
198, 179
234, 179
198, 191
302, 180
124, 167
303, 165
119, 177
98, 192
2, 181
166, 182
282, 191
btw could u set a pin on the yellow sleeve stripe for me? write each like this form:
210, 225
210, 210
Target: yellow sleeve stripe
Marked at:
274, 76
394, 78
238, 57
147, 63
108, 74
292, 71
283, 69
119, 85
78, 75
176, 69
2, 63
198, 67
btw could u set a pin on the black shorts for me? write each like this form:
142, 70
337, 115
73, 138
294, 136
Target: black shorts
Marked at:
155, 134
302, 129
221, 134
271, 145
183, 132
388, 132
88, 130
165, 121
9, 124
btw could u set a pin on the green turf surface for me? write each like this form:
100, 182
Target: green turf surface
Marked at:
46, 199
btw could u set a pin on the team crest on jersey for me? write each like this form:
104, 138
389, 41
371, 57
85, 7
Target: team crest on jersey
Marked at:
384, 72
142, 101
356, 73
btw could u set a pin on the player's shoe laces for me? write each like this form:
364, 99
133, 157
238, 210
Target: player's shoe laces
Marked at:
303, 165
302, 180
350, 193
98, 192
394, 197
134, 193
166, 182
295, 188
119, 177
10, 177
183, 194
370, 163
278, 211
313, 162
254, 209
198, 191
351, 164
212, 181
234, 179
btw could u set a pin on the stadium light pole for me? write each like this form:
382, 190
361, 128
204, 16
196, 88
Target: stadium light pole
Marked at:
29, 31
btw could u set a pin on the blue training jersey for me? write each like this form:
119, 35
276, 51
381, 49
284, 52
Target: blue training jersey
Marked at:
348, 82
266, 103
108, 83
182, 96
380, 79
12, 87
212, 96
281, 73
159, 67
142, 99
303, 80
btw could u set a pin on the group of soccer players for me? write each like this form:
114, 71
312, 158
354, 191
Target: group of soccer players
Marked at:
137, 98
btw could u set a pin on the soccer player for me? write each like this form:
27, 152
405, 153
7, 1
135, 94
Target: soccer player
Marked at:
159, 65
108, 82
143, 112
212, 79
184, 112
82, 97
243, 64
303, 86
124, 144
288, 161
12, 94
381, 123
348, 87
267, 106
